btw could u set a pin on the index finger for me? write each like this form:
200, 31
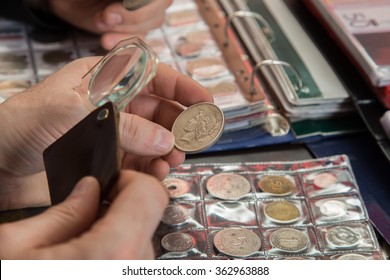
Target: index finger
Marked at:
173, 85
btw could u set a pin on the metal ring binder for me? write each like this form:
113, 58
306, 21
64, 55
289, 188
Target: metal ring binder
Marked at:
268, 62
245, 14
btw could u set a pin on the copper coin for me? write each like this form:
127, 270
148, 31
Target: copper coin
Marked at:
175, 215
228, 186
343, 236
282, 211
177, 242
276, 185
206, 68
198, 127
289, 240
176, 187
237, 242
199, 36
324, 180
55, 57
188, 49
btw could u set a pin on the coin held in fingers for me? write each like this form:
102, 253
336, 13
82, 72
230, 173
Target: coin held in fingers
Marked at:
198, 127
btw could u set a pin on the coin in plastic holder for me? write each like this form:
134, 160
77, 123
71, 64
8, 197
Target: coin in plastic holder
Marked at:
175, 215
207, 68
289, 240
176, 187
324, 180
343, 237
237, 242
120, 75
177, 242
333, 208
228, 186
188, 49
198, 127
276, 185
282, 212
12, 63
199, 36
352, 256
55, 57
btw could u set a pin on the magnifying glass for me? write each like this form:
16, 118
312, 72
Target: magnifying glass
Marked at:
121, 74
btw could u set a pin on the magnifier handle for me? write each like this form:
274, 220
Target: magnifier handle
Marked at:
135, 4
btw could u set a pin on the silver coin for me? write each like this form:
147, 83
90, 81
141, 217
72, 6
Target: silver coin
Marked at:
135, 4
198, 127
343, 236
333, 208
237, 242
228, 186
289, 240
352, 256
175, 215
176, 187
177, 242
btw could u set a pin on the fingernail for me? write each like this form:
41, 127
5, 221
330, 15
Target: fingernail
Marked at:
83, 185
113, 19
164, 141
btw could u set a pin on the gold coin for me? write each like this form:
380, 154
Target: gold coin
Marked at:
198, 127
276, 185
282, 211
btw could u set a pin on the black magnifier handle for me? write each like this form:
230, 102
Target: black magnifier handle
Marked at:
135, 4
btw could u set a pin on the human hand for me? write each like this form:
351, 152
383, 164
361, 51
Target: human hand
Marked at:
110, 18
46, 111
72, 231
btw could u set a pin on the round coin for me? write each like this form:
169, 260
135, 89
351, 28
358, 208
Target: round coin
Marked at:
237, 242
289, 240
175, 215
198, 127
352, 256
177, 242
228, 186
343, 237
206, 68
276, 185
333, 208
324, 180
282, 212
176, 187
188, 49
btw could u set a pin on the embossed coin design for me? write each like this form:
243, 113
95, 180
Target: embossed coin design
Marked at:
228, 186
333, 208
177, 242
324, 180
276, 185
282, 212
198, 127
343, 237
352, 256
237, 242
289, 240
175, 215
176, 187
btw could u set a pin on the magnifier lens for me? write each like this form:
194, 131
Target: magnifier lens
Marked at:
122, 73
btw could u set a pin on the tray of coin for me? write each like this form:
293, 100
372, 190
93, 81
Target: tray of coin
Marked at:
309, 209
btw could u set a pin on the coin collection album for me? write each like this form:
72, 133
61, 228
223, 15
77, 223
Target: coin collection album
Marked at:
309, 209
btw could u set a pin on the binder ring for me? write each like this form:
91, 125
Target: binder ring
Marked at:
245, 14
268, 62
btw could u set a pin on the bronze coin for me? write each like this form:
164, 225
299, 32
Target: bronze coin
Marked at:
276, 185
282, 211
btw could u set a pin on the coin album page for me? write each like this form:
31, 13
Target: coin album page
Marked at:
276, 210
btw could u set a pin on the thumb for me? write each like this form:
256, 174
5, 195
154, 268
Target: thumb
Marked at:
63, 221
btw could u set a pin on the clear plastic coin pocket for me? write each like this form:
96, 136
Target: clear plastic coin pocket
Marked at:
221, 212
